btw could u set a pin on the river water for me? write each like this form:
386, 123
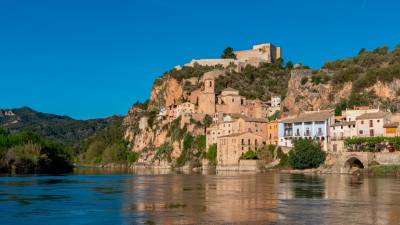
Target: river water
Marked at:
99, 197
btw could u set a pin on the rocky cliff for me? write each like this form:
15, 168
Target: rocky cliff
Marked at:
306, 94
370, 78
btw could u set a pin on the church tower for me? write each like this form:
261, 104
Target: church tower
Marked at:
207, 97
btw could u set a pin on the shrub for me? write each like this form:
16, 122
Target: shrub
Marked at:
249, 155
114, 153
306, 153
266, 153
304, 80
371, 144
211, 155
200, 143
186, 150
207, 121
132, 157
283, 163
164, 152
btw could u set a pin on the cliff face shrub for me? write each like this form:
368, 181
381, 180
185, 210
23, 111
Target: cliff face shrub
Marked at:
164, 152
305, 154
186, 150
211, 155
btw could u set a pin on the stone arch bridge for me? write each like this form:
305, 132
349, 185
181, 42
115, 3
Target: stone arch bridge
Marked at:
345, 161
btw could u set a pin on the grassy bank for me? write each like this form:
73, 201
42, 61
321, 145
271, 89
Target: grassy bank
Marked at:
384, 170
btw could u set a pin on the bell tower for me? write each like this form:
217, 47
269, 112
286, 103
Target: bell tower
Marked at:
207, 97
209, 86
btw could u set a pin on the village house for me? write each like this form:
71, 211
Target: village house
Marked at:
311, 124
274, 105
344, 126
228, 126
236, 123
272, 133
185, 107
256, 108
392, 127
339, 130
372, 124
231, 147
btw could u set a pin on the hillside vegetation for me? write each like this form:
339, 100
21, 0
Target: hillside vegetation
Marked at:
363, 71
63, 129
257, 82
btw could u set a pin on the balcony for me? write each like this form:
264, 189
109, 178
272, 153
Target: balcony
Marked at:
288, 132
337, 137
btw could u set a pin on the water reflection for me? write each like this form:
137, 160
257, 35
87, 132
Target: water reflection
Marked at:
159, 197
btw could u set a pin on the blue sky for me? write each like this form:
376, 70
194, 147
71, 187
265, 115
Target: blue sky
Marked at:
90, 59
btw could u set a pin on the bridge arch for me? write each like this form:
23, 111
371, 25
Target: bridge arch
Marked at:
354, 162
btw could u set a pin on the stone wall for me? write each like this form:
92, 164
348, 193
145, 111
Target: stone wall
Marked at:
242, 165
387, 158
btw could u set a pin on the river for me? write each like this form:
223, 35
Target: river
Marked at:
143, 197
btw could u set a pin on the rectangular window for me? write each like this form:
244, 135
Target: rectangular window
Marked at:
371, 123
371, 132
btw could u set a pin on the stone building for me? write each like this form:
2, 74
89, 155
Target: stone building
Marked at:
230, 147
229, 101
236, 123
256, 108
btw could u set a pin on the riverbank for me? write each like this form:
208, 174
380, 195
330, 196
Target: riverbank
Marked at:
383, 170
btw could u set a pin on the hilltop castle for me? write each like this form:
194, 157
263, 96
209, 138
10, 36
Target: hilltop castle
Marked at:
262, 53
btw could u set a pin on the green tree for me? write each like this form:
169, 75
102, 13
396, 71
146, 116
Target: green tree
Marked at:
306, 153
228, 53
115, 152
289, 65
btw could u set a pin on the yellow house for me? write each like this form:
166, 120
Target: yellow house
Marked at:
391, 129
272, 133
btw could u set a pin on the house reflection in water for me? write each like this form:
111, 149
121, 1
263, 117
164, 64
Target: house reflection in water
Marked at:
248, 198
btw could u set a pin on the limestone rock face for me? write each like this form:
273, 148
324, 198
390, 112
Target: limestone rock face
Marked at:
302, 97
308, 96
389, 91
168, 93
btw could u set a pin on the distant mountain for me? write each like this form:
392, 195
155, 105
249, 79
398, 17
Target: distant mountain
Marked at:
62, 128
